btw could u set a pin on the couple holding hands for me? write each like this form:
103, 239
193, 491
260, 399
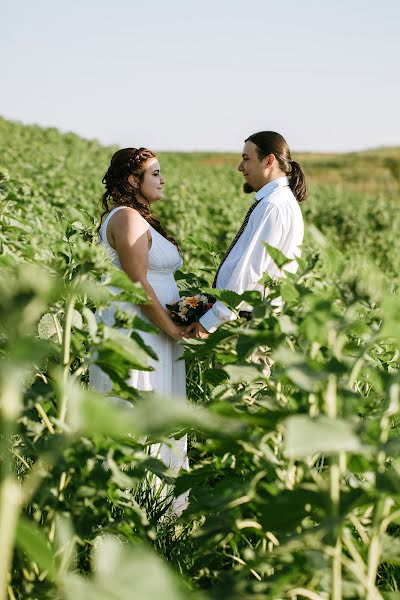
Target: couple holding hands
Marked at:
141, 247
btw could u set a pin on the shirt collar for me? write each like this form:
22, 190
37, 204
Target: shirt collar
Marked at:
270, 187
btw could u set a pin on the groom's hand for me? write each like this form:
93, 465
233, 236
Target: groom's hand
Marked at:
187, 332
199, 332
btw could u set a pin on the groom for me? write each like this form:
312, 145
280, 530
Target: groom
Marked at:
274, 217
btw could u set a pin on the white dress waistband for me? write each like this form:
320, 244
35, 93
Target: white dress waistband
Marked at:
160, 277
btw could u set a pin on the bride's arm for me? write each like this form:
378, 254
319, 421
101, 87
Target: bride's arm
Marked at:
128, 231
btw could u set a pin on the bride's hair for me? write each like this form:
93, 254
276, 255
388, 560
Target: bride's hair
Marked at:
270, 142
119, 190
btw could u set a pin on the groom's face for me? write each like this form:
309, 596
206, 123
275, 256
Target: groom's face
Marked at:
253, 169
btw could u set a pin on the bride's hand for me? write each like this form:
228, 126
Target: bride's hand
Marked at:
181, 331
198, 332
187, 330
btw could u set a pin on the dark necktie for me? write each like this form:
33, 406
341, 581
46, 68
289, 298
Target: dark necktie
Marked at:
237, 236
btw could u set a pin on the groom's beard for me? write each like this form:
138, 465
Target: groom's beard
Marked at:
247, 188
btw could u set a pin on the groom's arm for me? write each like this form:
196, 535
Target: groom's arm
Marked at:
253, 262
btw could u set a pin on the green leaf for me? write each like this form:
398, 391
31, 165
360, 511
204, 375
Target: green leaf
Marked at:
286, 324
119, 347
150, 415
32, 540
243, 373
77, 320
391, 549
201, 348
27, 352
14, 223
121, 280
65, 542
119, 477
47, 327
285, 511
141, 325
289, 292
91, 322
122, 572
303, 374
77, 225
250, 340
204, 245
156, 466
306, 436
390, 317
277, 256
232, 299
139, 340
388, 482
215, 376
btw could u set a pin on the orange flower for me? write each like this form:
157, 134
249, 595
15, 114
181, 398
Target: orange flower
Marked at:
192, 301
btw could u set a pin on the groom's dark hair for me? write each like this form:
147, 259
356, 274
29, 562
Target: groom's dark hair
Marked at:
270, 142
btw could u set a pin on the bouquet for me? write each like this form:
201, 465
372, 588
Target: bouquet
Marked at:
189, 309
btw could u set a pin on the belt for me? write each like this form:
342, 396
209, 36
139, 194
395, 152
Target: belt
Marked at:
246, 314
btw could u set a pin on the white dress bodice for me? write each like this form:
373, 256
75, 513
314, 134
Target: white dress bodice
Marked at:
163, 256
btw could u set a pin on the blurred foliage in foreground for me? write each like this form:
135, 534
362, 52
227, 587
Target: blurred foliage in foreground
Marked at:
293, 422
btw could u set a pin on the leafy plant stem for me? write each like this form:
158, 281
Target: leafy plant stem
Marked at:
304, 593
336, 561
383, 505
375, 547
66, 350
44, 416
334, 492
352, 567
10, 593
360, 361
10, 490
57, 326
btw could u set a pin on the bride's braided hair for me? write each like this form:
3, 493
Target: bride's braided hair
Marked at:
119, 191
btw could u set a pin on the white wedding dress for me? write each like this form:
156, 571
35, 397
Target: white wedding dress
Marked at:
168, 377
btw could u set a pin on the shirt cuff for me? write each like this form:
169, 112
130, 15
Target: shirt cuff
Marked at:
216, 316
210, 321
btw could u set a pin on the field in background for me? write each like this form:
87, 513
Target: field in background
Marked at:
295, 480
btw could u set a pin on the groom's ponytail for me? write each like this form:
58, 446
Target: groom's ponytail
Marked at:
270, 142
297, 181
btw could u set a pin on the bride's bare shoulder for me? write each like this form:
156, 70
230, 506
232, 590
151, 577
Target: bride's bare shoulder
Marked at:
128, 215
125, 212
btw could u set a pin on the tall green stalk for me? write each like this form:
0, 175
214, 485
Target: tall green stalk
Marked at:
10, 489
334, 493
66, 357
383, 505
66, 354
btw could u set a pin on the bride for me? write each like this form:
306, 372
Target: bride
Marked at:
140, 246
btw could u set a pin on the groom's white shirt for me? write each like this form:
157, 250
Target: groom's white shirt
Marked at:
277, 220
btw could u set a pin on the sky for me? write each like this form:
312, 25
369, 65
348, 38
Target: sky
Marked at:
204, 75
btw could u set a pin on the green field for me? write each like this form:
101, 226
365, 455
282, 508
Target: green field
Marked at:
295, 477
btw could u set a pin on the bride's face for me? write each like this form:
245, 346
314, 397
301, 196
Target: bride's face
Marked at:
151, 186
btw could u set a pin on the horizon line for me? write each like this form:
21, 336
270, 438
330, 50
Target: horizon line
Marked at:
191, 151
